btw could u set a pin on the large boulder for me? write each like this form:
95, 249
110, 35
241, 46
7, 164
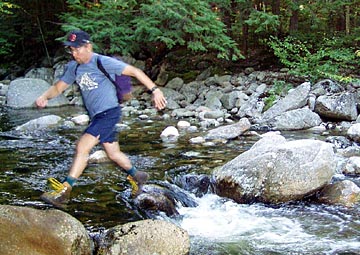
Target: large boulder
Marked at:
275, 170
145, 237
340, 107
41, 232
297, 98
22, 93
297, 119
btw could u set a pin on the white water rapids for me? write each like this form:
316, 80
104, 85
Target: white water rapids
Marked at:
218, 226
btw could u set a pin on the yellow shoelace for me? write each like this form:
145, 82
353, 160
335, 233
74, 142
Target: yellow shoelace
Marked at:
134, 186
55, 185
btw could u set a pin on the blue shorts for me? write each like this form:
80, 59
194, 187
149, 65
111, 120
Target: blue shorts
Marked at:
103, 125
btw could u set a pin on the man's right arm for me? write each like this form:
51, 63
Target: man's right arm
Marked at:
52, 92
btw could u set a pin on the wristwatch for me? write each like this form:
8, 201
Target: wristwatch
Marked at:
153, 89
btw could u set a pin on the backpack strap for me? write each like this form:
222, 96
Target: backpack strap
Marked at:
102, 69
76, 68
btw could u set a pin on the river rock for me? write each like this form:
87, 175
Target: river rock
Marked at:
146, 237
170, 132
275, 170
297, 98
229, 131
352, 166
99, 156
340, 107
44, 122
22, 93
44, 232
344, 193
82, 119
354, 132
155, 199
297, 119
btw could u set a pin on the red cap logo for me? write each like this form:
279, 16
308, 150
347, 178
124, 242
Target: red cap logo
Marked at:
72, 37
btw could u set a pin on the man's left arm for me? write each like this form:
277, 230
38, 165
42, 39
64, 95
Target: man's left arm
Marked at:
158, 96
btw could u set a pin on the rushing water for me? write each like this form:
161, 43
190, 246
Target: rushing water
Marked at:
216, 226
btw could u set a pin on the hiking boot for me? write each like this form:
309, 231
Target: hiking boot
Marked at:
60, 195
137, 182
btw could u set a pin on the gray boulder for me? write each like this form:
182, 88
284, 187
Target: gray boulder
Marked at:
341, 107
275, 170
296, 120
22, 93
297, 98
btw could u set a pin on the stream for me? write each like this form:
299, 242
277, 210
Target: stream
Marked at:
217, 226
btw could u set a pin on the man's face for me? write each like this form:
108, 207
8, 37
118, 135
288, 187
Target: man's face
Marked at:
81, 54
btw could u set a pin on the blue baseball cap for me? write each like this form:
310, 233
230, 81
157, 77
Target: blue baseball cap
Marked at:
77, 38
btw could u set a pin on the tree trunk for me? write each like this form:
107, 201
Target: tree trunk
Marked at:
294, 19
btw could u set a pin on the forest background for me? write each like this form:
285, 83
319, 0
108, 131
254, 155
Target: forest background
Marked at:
317, 39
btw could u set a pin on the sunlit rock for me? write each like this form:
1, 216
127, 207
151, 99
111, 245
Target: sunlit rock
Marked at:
182, 124
30, 231
354, 132
48, 121
99, 156
275, 170
229, 131
170, 133
146, 237
344, 193
81, 119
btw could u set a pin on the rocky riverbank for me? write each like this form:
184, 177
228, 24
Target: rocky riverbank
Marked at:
225, 107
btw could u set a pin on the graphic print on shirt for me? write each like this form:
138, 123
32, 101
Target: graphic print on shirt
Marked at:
87, 83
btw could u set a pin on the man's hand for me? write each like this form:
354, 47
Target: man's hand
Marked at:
41, 102
159, 99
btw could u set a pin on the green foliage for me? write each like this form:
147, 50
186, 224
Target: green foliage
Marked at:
7, 33
129, 27
278, 89
330, 59
263, 22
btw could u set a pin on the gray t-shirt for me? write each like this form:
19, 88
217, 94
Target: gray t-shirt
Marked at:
98, 92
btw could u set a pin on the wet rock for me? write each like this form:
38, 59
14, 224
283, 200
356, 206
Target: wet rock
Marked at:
196, 184
275, 170
44, 122
146, 237
344, 193
162, 197
47, 232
